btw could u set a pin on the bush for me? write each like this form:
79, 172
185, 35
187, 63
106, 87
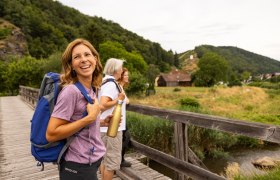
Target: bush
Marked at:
176, 89
4, 33
189, 102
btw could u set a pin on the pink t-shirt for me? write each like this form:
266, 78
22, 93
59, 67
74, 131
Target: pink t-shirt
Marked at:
87, 147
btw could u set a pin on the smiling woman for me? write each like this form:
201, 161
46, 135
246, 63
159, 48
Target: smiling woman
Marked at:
81, 65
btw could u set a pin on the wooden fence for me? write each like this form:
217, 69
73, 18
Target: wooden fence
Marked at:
183, 154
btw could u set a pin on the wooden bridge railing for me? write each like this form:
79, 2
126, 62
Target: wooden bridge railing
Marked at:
29, 95
183, 154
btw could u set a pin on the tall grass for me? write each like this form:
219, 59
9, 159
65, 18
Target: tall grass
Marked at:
153, 132
244, 103
272, 175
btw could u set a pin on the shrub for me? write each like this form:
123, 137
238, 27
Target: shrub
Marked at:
189, 102
176, 89
4, 33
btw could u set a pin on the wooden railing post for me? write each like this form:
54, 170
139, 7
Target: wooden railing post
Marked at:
181, 145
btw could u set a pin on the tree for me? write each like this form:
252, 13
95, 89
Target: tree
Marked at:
26, 71
152, 73
2, 79
212, 69
245, 76
136, 83
93, 33
134, 61
176, 60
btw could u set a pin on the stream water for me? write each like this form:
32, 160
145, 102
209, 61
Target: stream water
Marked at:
243, 157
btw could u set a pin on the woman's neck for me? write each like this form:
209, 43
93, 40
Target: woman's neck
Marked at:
85, 82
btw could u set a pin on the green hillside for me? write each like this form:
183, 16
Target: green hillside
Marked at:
241, 60
48, 27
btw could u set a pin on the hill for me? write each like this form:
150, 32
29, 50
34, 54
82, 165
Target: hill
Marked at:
48, 27
12, 40
239, 59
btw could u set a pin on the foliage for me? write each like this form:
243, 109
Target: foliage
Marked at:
49, 26
134, 61
2, 79
244, 103
189, 102
212, 69
205, 141
273, 174
53, 63
248, 142
241, 60
176, 89
136, 83
176, 60
153, 132
4, 33
275, 79
27, 71
152, 72
265, 84
245, 75
233, 80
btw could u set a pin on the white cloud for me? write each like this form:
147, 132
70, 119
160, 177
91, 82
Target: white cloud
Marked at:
181, 25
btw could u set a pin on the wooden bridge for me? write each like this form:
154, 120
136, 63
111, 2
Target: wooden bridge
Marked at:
16, 161
15, 152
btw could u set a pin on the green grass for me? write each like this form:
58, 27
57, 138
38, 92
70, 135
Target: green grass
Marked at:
271, 175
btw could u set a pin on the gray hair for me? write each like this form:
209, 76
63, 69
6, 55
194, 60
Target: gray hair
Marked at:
112, 65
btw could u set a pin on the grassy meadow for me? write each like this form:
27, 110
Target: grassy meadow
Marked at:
246, 103
243, 103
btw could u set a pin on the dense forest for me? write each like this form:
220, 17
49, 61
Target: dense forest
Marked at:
48, 27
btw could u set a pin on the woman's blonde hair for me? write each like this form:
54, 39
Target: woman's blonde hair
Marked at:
67, 75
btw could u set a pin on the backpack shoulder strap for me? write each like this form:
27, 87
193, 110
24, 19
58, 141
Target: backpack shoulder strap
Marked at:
84, 92
112, 80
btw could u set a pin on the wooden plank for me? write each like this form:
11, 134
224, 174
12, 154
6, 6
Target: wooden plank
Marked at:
265, 132
16, 160
174, 163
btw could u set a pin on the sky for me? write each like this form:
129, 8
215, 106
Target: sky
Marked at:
180, 25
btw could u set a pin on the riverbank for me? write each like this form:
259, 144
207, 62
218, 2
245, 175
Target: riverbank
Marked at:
244, 158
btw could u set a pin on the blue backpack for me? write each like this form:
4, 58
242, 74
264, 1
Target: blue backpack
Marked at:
41, 149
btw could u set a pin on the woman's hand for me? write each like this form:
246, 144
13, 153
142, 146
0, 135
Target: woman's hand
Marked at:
105, 122
93, 110
121, 96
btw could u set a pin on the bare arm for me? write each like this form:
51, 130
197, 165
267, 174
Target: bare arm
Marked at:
60, 129
107, 103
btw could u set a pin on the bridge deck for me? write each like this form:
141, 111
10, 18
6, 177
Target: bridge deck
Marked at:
16, 161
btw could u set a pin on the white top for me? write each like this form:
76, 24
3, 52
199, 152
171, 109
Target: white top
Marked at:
110, 90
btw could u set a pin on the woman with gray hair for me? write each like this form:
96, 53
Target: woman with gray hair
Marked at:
109, 96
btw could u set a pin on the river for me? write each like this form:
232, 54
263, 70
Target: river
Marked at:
243, 157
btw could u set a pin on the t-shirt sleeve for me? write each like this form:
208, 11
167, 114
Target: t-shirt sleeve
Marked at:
109, 90
65, 105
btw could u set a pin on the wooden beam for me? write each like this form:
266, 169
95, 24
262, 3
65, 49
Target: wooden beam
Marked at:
265, 132
178, 165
